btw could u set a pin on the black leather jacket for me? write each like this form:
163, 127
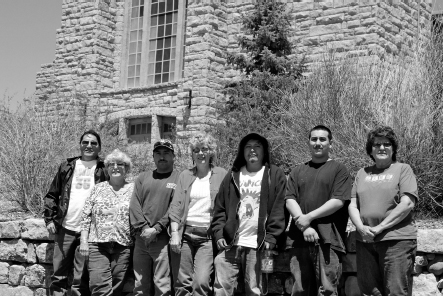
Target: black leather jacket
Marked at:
57, 198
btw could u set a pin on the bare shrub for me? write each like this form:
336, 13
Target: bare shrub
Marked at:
352, 95
30, 153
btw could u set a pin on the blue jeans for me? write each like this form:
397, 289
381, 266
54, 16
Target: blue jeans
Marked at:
195, 263
229, 264
151, 266
108, 265
316, 270
67, 257
385, 268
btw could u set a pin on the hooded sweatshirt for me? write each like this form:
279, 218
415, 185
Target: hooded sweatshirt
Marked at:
271, 219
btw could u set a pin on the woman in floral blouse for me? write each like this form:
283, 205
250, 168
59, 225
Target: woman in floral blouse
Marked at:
105, 228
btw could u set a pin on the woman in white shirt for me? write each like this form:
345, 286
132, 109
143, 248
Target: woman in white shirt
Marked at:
191, 214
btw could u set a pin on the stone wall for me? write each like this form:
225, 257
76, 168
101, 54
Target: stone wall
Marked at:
86, 74
26, 251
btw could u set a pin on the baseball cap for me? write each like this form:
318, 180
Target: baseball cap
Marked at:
164, 143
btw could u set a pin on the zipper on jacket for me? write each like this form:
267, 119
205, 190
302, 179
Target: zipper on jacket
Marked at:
236, 214
264, 237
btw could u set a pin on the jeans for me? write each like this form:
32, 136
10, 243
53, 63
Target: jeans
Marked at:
385, 268
316, 270
108, 265
66, 257
195, 263
151, 266
228, 266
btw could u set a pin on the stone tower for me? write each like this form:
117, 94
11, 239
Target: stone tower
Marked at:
156, 65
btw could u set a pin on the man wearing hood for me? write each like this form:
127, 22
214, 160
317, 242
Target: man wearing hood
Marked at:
316, 194
248, 216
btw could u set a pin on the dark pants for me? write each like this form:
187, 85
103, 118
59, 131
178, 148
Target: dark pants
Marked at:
229, 264
151, 266
195, 263
316, 270
108, 265
66, 257
385, 268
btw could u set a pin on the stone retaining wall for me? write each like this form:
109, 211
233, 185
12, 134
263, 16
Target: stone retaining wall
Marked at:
26, 251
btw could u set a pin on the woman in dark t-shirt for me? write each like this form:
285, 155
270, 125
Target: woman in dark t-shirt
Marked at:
382, 199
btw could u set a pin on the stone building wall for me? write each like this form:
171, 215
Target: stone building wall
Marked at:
26, 251
85, 77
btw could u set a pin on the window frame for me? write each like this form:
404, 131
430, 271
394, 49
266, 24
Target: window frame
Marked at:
140, 137
179, 51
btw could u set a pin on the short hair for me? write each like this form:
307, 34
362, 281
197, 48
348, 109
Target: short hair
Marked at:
117, 155
382, 131
94, 133
323, 128
204, 139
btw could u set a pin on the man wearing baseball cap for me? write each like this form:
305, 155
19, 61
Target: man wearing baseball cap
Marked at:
153, 191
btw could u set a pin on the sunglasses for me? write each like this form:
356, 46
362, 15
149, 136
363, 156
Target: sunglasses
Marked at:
203, 150
113, 164
86, 143
378, 145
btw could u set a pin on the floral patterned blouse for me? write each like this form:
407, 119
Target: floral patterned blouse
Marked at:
106, 214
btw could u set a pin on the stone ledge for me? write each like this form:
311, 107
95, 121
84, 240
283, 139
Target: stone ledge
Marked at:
35, 229
430, 241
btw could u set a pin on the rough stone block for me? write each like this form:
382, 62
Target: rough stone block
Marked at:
17, 250
425, 285
45, 252
10, 229
351, 286
36, 276
41, 292
6, 290
4, 271
35, 229
430, 241
436, 265
350, 262
421, 260
16, 275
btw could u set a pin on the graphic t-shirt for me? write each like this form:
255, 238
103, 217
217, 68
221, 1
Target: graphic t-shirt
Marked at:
250, 187
378, 193
200, 203
82, 184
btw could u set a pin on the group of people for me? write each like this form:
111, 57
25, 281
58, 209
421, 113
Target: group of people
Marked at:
201, 231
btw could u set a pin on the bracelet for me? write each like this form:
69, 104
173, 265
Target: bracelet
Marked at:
174, 231
83, 241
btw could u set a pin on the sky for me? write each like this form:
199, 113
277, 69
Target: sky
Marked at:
27, 40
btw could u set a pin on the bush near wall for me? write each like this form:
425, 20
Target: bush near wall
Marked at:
351, 95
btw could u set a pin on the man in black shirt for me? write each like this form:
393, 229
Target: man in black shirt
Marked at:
317, 192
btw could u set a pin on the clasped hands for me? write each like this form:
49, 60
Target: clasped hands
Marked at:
368, 233
149, 234
303, 222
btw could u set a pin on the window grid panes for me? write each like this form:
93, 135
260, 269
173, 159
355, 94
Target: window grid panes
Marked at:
135, 42
162, 41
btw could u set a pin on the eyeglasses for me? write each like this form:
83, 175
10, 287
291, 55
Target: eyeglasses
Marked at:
203, 150
86, 143
113, 164
378, 145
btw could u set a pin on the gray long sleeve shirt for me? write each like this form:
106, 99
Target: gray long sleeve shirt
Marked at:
150, 200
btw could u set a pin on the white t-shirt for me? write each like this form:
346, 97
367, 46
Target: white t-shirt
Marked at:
82, 184
200, 204
250, 187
